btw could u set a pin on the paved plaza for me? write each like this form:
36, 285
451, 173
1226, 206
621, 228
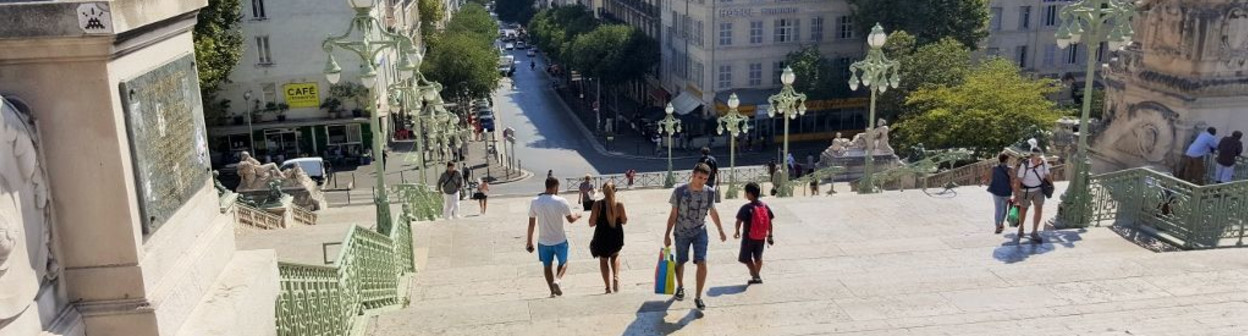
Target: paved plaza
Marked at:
896, 263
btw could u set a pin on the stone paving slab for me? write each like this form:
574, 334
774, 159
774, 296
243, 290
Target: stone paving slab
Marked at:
896, 263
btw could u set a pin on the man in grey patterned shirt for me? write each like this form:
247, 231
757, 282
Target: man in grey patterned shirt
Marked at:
690, 205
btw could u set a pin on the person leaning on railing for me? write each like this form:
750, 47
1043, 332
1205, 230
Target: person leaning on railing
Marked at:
1228, 149
1192, 168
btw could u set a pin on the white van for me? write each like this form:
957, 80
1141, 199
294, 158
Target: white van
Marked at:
313, 166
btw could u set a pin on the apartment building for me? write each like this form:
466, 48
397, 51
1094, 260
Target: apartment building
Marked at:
283, 64
713, 48
1023, 31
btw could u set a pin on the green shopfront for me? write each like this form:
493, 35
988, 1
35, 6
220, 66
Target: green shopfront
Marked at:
337, 140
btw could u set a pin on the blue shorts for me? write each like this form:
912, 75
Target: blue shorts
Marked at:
698, 241
548, 253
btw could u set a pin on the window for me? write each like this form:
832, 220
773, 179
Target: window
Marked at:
697, 33
1072, 57
845, 27
1050, 15
779, 69
343, 134
262, 49
1024, 17
1100, 52
756, 74
784, 30
268, 93
686, 26
843, 64
1050, 54
725, 33
995, 19
697, 73
257, 9
1020, 53
756, 32
816, 29
725, 76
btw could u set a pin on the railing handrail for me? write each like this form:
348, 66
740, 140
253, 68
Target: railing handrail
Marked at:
1174, 210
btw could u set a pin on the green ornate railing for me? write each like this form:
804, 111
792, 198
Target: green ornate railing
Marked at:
1241, 168
329, 300
1173, 210
655, 179
420, 202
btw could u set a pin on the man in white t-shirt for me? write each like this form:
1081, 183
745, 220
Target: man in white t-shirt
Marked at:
549, 210
1028, 191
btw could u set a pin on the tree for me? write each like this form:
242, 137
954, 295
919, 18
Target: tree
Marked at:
942, 63
431, 13
931, 20
815, 74
519, 11
463, 63
473, 18
555, 29
218, 46
993, 108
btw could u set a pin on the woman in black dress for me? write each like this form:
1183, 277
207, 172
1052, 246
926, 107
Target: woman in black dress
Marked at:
607, 218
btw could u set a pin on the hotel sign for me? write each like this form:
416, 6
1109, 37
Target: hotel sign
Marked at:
752, 12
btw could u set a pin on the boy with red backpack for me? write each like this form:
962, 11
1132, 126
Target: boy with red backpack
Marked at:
757, 219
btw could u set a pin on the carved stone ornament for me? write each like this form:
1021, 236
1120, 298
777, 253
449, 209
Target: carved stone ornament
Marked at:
1146, 131
1234, 40
26, 258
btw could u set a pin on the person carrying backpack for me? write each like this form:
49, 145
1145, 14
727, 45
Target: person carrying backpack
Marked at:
757, 218
1032, 185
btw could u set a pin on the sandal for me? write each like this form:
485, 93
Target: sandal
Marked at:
1000, 228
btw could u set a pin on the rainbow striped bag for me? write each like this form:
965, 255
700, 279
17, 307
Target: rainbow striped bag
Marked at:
665, 272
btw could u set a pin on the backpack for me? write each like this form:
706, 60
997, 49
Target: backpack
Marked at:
760, 222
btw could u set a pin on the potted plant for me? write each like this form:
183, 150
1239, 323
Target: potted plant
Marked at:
357, 112
281, 111
334, 106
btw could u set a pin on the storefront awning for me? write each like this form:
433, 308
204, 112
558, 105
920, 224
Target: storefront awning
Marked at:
685, 103
242, 129
755, 100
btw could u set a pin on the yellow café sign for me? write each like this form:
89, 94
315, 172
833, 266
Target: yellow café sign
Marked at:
302, 95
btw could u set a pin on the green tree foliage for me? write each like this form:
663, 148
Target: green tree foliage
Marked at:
218, 46
931, 20
431, 13
463, 57
942, 63
615, 53
993, 108
519, 11
816, 75
555, 29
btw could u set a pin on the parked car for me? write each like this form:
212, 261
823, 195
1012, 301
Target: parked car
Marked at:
509, 46
315, 167
531, 53
483, 112
487, 123
521, 45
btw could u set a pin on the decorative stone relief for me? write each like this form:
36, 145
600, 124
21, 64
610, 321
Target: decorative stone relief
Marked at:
1170, 33
1234, 38
1146, 131
26, 259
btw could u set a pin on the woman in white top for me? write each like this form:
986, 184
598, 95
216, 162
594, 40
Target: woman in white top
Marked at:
1032, 173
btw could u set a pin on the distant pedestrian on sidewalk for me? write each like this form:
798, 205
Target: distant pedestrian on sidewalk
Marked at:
548, 211
1029, 191
998, 181
483, 192
608, 218
451, 182
756, 217
586, 193
1230, 147
691, 203
1192, 168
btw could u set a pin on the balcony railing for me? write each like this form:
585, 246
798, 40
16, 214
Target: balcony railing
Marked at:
1181, 213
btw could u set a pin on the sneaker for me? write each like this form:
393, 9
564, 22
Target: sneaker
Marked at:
754, 281
1035, 238
698, 302
558, 291
680, 294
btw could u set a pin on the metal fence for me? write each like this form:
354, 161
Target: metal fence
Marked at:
1241, 168
655, 179
330, 300
1181, 213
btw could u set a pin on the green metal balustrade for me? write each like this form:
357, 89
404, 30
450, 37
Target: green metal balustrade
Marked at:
1241, 168
1181, 213
369, 273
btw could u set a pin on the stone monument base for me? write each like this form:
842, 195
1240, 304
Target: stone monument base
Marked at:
855, 165
308, 199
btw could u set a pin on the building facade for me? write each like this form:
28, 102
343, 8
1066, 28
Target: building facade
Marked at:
282, 72
1024, 31
712, 48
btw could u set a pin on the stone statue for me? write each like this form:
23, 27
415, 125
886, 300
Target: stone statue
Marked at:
26, 258
216, 183
253, 174
881, 139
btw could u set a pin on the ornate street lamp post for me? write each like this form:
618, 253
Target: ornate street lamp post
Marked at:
1089, 22
736, 124
670, 126
367, 47
413, 94
251, 134
789, 104
877, 73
